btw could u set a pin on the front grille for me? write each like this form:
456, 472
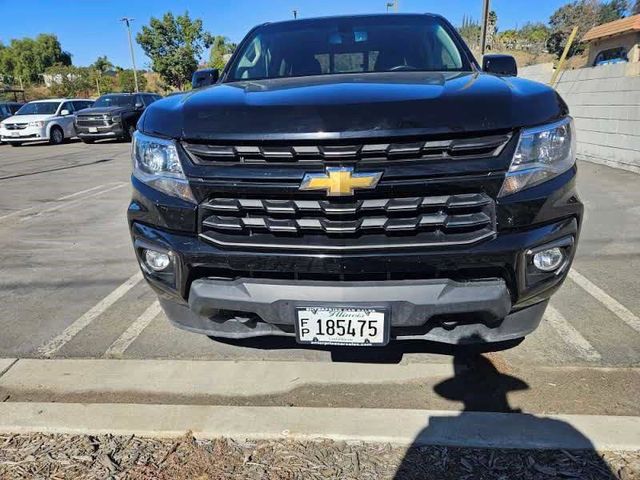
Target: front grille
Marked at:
348, 224
92, 120
16, 126
380, 152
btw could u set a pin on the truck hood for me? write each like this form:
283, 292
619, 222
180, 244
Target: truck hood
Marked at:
354, 106
103, 110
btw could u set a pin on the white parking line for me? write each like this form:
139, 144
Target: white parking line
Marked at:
570, 335
17, 213
123, 342
67, 197
50, 348
622, 312
72, 203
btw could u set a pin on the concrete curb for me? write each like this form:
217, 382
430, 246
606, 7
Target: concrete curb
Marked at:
402, 427
198, 378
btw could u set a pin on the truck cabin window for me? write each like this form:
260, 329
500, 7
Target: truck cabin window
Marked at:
337, 46
115, 101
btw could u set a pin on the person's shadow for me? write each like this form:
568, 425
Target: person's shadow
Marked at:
482, 388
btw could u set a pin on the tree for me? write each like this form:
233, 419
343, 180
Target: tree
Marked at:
220, 49
492, 29
69, 81
613, 10
127, 83
102, 64
175, 46
533, 37
470, 31
24, 60
99, 68
584, 14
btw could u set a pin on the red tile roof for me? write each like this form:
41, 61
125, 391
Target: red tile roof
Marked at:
617, 27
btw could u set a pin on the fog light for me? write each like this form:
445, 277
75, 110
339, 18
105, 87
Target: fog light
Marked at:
548, 260
156, 261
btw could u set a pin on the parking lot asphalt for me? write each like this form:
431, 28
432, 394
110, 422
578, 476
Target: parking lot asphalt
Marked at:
70, 286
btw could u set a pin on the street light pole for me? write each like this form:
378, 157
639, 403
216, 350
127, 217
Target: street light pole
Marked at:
127, 22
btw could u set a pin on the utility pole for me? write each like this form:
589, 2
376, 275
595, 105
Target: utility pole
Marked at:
485, 23
295, 14
393, 4
127, 22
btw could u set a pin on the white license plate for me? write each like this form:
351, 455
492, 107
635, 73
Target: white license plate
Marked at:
93, 129
342, 326
15, 134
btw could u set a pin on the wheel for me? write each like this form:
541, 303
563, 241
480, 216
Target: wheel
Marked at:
15, 144
56, 136
87, 140
129, 133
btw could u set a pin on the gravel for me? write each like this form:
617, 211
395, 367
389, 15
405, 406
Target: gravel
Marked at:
40, 456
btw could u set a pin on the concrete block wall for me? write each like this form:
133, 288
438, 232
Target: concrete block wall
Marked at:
605, 103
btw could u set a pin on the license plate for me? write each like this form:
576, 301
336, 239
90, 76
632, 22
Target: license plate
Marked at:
93, 129
342, 326
15, 134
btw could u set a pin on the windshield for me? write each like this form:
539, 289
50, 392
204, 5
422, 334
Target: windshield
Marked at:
115, 101
348, 45
39, 108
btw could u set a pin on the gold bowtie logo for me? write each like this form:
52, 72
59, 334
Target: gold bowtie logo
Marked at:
340, 181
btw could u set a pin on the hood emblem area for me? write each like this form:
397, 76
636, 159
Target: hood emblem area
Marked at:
340, 181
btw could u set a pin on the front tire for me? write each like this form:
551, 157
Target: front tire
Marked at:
56, 136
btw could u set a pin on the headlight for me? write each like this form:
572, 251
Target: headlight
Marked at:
542, 153
116, 119
38, 124
156, 163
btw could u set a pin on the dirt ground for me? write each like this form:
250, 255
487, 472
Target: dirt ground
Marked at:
40, 456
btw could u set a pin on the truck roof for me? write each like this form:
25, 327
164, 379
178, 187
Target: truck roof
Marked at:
362, 15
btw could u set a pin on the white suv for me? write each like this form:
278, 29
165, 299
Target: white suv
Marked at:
50, 120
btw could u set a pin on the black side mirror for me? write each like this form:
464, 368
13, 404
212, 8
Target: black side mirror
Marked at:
138, 106
202, 78
500, 65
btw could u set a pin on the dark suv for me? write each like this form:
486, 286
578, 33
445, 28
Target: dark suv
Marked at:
8, 109
352, 180
112, 116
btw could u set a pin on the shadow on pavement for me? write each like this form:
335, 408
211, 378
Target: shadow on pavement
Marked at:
481, 387
390, 354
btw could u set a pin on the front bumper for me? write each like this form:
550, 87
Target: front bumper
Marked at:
29, 134
112, 131
437, 310
479, 293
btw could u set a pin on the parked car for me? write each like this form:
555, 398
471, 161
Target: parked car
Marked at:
113, 116
8, 109
43, 120
353, 180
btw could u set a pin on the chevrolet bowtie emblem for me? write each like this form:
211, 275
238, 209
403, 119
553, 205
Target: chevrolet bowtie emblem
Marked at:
340, 181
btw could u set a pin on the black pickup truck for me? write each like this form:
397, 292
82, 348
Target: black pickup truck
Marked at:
112, 116
355, 180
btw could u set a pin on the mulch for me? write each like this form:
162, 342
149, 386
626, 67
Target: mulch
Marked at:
47, 456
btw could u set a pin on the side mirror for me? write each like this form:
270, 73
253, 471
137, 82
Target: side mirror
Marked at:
138, 106
203, 78
64, 112
500, 65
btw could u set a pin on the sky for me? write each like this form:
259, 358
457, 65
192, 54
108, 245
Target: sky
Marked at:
90, 28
